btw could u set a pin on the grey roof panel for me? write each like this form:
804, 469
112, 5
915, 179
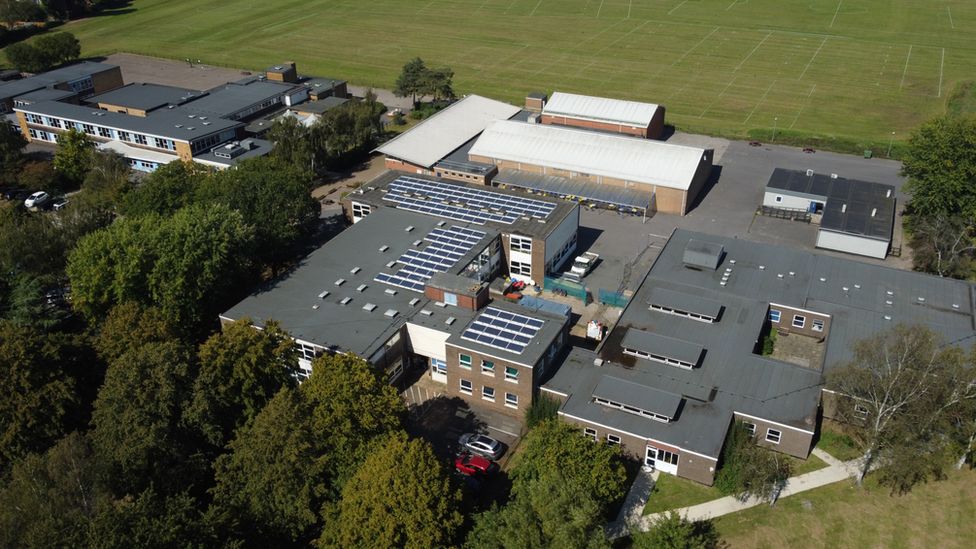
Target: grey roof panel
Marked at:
70, 73
575, 187
146, 97
670, 347
706, 255
637, 395
684, 301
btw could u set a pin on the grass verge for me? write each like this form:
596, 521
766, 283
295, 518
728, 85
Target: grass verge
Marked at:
835, 442
671, 492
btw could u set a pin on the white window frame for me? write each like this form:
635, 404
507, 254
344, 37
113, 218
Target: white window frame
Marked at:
817, 325
520, 268
520, 244
751, 427
590, 433
774, 435
486, 369
450, 298
438, 366
511, 400
488, 393
511, 378
461, 387
799, 321
861, 411
613, 440
462, 363
775, 315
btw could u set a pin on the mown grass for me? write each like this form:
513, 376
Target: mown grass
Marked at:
671, 492
823, 73
937, 514
835, 442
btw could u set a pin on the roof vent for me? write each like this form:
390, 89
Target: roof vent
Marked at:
384, 248
843, 208
731, 262
179, 125
355, 270
598, 362
888, 193
874, 212
792, 273
888, 302
845, 288
390, 291
440, 223
361, 287
316, 306
857, 286
921, 299
409, 228
207, 123
450, 320
833, 176
418, 242
191, 116
889, 292
414, 301
441, 304
425, 312
390, 313
955, 305
369, 307
345, 301
391, 264
762, 267
822, 279
324, 294
887, 317
779, 275
340, 282
810, 173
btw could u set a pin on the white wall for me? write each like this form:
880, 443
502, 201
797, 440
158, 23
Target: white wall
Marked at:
564, 232
851, 244
788, 202
427, 341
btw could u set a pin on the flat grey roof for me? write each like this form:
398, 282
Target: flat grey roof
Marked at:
162, 123
536, 349
70, 73
856, 207
294, 301
637, 395
145, 97
575, 187
46, 94
230, 98
375, 190
682, 301
670, 347
320, 106
706, 255
259, 147
318, 83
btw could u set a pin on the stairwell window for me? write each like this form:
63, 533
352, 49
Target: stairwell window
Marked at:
772, 435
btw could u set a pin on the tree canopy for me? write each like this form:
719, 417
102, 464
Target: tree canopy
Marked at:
165, 190
749, 470
940, 164
44, 53
12, 145
74, 156
672, 531
418, 80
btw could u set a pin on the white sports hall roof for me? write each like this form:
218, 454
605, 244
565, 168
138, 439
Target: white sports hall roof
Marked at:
600, 109
442, 133
608, 155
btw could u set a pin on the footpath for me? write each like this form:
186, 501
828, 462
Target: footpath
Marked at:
631, 517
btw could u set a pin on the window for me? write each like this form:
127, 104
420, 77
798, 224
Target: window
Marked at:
450, 299
465, 386
632, 409
125, 136
861, 411
751, 427
519, 268
818, 325
772, 435
35, 119
613, 440
664, 456
140, 139
359, 211
54, 122
799, 321
779, 199
774, 315
511, 374
521, 244
488, 393
438, 367
104, 132
488, 368
511, 400
308, 352
590, 433
464, 361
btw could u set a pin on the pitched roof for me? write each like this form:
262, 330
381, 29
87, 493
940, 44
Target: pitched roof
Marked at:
600, 109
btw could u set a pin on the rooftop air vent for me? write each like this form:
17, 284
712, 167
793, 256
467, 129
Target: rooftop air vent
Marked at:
414, 301
369, 307
440, 223
316, 306
391, 264
822, 279
857, 286
887, 317
810, 173
921, 299
845, 288
324, 294
598, 362
361, 287
409, 228
450, 320
843, 208
390, 291
384, 248
874, 212
179, 125
390, 313
888, 193
762, 267
418, 242
425, 312
779, 275
955, 305
792, 273
833, 176
441, 304
340, 282
355, 270
345, 301
889, 292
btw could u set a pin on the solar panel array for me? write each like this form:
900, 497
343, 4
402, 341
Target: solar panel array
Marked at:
446, 246
463, 203
503, 330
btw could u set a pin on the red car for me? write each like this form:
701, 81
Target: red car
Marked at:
473, 465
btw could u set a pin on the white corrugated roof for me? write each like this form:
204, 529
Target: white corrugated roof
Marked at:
582, 151
442, 133
600, 109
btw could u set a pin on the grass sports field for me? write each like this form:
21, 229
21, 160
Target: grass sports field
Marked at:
851, 68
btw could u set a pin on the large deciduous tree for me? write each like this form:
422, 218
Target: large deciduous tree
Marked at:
943, 245
166, 190
940, 164
12, 145
672, 531
749, 470
399, 497
74, 156
410, 83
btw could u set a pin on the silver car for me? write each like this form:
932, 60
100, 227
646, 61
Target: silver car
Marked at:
482, 445
37, 199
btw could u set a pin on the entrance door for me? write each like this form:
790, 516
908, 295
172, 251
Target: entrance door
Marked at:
662, 460
650, 456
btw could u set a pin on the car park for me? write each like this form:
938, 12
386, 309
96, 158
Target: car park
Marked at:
37, 200
482, 445
470, 464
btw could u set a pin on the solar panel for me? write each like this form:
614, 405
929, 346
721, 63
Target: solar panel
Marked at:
446, 246
463, 203
503, 330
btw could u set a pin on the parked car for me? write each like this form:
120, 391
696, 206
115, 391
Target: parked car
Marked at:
37, 200
809, 150
59, 203
15, 194
755, 144
470, 464
482, 445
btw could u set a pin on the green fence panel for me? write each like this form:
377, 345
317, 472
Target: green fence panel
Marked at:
613, 299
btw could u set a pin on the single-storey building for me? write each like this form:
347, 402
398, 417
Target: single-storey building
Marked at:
81, 80
606, 114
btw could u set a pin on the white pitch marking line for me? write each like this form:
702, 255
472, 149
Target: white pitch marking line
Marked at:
676, 7
905, 71
629, 8
693, 48
941, 67
427, 6
734, 2
949, 10
727, 86
598, 10
535, 8
759, 45
810, 62
798, 113
835, 14
761, 99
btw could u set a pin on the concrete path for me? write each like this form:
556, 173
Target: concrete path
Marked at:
835, 471
633, 507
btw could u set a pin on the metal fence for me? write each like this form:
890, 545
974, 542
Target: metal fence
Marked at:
571, 288
783, 213
613, 299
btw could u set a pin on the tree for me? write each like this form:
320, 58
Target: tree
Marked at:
543, 408
150, 520
749, 470
351, 405
672, 531
940, 164
38, 399
896, 392
12, 145
439, 83
166, 190
293, 144
49, 499
555, 445
187, 265
74, 156
399, 497
108, 177
58, 48
25, 57
39, 175
553, 510
137, 420
944, 245
128, 326
17, 11
271, 486
410, 83
241, 369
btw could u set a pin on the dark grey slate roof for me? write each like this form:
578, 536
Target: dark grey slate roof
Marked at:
51, 78
682, 301
637, 395
146, 97
670, 347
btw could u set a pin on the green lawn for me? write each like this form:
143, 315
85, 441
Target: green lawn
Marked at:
804, 466
835, 442
938, 514
854, 69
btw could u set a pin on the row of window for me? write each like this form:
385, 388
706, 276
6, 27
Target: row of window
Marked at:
206, 143
520, 244
590, 433
799, 321
772, 435
359, 211
84, 84
488, 368
103, 132
568, 247
632, 410
659, 358
43, 135
679, 312
256, 108
520, 268
488, 393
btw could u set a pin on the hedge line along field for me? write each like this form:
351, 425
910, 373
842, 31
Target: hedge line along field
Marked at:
853, 69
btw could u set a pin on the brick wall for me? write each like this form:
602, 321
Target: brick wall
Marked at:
455, 373
785, 323
639, 131
792, 441
403, 166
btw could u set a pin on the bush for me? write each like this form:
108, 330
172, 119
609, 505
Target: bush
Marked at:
543, 407
769, 342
